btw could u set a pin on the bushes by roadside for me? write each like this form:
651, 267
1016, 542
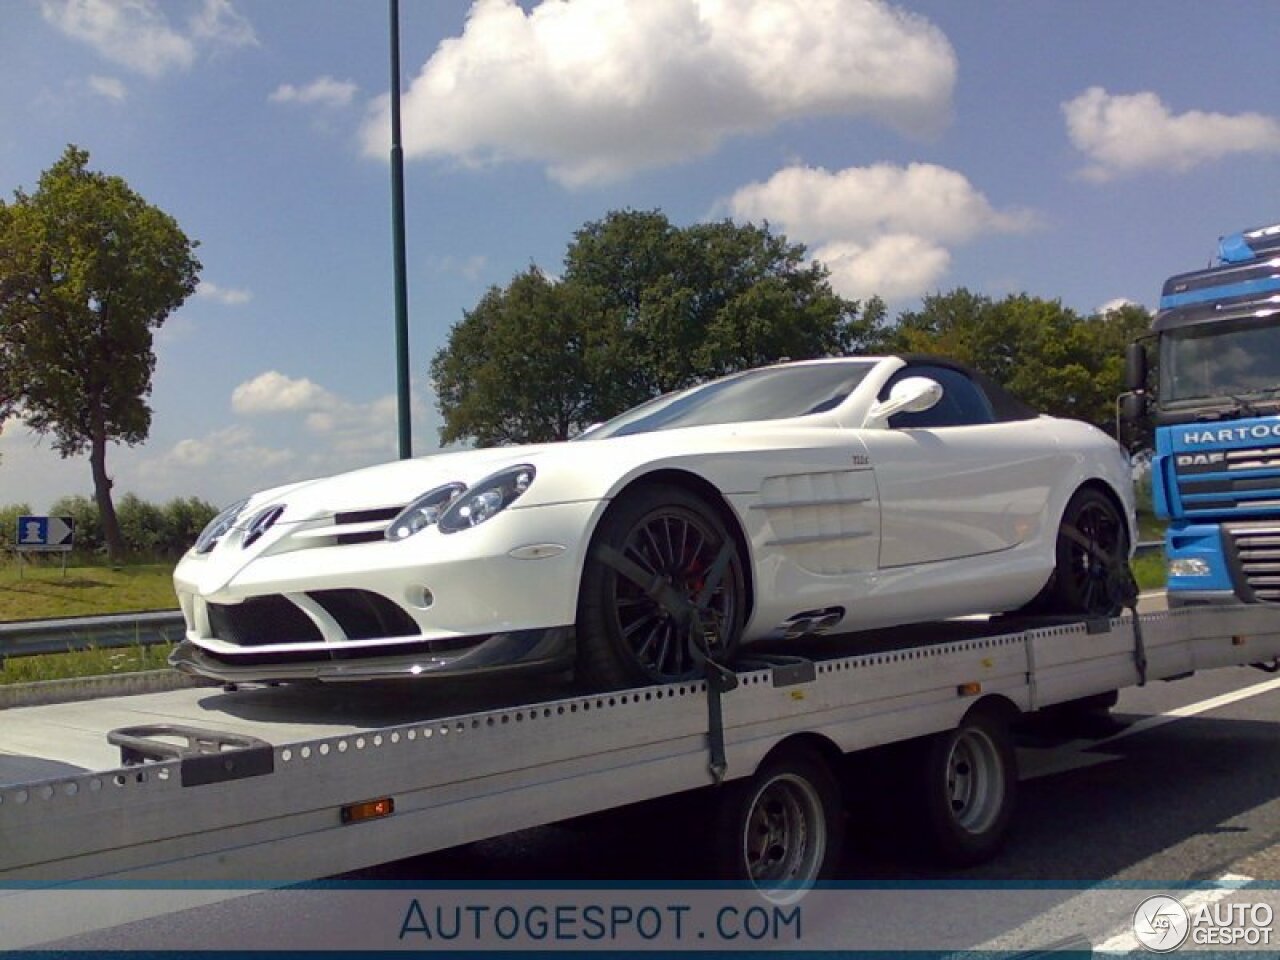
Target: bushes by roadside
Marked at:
150, 531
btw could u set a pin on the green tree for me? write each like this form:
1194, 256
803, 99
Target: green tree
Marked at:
88, 270
520, 367
9, 522
184, 518
644, 307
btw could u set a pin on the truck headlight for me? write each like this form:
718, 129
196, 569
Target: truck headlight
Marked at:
486, 499
1189, 567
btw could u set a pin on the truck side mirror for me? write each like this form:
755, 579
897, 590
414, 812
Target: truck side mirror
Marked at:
1135, 367
1133, 407
1131, 414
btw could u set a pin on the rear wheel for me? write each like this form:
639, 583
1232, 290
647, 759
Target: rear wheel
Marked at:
1089, 569
968, 785
627, 637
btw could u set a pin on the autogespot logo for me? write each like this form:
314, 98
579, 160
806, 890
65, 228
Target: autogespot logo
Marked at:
1161, 924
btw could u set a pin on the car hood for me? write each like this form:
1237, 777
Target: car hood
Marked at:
389, 484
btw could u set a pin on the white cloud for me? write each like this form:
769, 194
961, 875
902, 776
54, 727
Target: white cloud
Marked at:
881, 230
1128, 133
1116, 304
109, 87
273, 392
228, 296
894, 267
325, 91
598, 89
138, 35
220, 24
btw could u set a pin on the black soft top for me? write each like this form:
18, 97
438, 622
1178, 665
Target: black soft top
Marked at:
1005, 405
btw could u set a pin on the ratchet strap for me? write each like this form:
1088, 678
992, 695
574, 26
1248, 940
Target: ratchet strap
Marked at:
1120, 586
701, 637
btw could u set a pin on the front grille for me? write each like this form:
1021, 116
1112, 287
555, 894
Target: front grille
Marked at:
359, 614
1256, 550
262, 620
382, 515
365, 615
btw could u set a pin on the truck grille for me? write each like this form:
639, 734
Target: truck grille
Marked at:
1257, 551
1211, 489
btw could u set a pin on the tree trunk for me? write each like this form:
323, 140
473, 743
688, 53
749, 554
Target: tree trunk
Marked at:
102, 494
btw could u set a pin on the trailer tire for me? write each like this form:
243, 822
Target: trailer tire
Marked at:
781, 830
967, 789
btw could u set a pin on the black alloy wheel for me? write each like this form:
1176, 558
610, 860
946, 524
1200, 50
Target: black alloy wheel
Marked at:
626, 635
1089, 572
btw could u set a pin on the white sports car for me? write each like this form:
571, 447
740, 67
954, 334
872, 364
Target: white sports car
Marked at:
841, 494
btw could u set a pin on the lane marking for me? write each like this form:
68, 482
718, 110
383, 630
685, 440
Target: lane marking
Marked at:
1037, 762
1123, 940
1191, 710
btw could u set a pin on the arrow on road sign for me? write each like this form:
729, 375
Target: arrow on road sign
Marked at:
61, 530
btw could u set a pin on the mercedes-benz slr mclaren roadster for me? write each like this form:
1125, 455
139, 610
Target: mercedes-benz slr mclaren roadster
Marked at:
791, 500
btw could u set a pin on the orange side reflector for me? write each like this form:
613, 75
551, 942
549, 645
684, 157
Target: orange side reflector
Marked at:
1239, 641
368, 810
969, 689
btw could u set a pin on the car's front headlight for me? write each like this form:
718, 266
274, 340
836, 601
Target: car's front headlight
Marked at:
486, 499
423, 512
219, 527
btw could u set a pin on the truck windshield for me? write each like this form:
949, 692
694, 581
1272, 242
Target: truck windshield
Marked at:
772, 393
1214, 360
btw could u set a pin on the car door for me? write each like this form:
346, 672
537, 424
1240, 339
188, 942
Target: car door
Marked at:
954, 480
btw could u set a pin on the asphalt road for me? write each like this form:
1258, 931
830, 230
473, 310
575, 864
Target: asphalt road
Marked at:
1181, 783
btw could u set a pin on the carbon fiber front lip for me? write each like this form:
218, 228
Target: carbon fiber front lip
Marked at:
528, 650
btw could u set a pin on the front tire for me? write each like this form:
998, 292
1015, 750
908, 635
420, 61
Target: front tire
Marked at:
625, 637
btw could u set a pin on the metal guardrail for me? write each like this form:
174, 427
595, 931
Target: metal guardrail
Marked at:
27, 637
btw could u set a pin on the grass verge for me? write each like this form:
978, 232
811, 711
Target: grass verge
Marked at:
39, 591
1149, 570
95, 662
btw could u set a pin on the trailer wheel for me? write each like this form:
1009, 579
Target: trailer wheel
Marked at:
969, 784
625, 636
781, 830
1082, 583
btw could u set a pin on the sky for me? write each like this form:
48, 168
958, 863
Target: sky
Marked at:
1078, 150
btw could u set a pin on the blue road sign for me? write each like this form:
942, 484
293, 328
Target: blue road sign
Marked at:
45, 533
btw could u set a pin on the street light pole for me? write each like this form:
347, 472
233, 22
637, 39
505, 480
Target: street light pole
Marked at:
398, 244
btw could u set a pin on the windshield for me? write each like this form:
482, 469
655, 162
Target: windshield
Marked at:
1214, 360
773, 393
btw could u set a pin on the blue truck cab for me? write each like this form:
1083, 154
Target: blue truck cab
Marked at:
1215, 410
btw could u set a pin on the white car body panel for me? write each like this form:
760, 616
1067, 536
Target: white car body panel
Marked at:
893, 526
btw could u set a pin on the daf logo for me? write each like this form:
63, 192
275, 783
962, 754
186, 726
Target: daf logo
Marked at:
1200, 459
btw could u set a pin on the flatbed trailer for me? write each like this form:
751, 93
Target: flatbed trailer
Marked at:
302, 783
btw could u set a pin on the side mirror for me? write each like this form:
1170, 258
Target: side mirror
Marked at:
1131, 415
910, 395
1133, 407
1135, 367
